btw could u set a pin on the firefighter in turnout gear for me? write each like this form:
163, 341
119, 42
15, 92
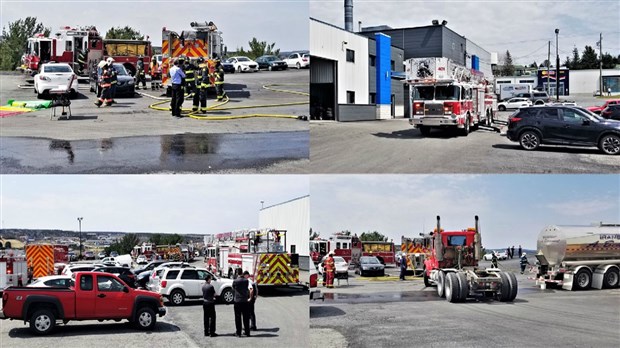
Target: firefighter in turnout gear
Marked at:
204, 83
219, 81
329, 267
155, 74
113, 78
190, 83
141, 74
105, 82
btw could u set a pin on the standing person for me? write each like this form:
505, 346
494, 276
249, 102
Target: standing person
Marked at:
29, 274
512, 252
254, 296
523, 262
403, 266
507, 253
208, 307
155, 74
329, 269
494, 260
176, 77
141, 74
609, 91
219, 80
113, 79
520, 250
242, 287
104, 83
204, 84
190, 83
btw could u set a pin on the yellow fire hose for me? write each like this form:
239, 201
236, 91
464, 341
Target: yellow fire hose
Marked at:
218, 107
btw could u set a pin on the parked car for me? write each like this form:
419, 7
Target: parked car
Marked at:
124, 273
141, 260
341, 265
598, 108
514, 103
113, 254
229, 68
70, 269
243, 64
101, 255
298, 60
42, 307
54, 281
537, 98
271, 63
124, 87
89, 255
71, 256
501, 255
563, 125
53, 75
179, 284
611, 112
369, 265
143, 274
157, 271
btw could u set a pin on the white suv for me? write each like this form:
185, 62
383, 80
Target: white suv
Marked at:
177, 284
298, 60
157, 272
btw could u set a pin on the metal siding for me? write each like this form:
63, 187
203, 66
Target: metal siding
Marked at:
372, 70
384, 90
321, 70
356, 112
416, 42
453, 46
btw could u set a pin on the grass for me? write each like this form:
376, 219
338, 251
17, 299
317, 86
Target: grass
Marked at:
608, 97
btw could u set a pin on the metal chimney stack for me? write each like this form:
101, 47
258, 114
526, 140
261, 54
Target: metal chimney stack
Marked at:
348, 15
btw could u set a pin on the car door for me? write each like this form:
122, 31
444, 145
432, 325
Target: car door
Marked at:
578, 128
111, 301
85, 295
551, 125
191, 283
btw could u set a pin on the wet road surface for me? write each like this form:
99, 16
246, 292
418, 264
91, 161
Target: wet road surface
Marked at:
187, 152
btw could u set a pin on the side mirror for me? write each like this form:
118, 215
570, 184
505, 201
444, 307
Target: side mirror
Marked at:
586, 122
125, 289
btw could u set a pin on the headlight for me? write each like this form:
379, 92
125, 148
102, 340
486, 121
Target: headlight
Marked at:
130, 82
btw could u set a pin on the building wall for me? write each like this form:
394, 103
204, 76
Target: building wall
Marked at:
453, 46
416, 42
587, 81
397, 55
483, 55
294, 217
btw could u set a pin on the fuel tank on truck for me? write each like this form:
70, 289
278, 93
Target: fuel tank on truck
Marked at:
579, 243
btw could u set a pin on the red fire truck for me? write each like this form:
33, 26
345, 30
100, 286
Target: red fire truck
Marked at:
444, 94
338, 243
417, 250
384, 251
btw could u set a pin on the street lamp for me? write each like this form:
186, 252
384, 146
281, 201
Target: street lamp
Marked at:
557, 67
80, 223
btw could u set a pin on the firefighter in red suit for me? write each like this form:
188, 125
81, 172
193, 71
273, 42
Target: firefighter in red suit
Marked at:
329, 268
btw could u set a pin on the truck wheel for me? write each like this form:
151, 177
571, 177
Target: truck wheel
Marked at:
177, 297
504, 292
427, 281
452, 288
441, 284
145, 318
42, 322
465, 130
611, 278
227, 296
425, 130
583, 279
463, 287
514, 286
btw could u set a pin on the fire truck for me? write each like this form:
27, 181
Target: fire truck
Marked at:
11, 268
67, 43
453, 267
444, 94
417, 250
384, 251
338, 243
202, 40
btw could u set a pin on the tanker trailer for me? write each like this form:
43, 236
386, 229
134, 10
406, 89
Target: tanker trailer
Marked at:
579, 257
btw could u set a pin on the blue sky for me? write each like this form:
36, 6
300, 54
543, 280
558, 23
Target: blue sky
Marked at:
513, 209
141, 203
523, 27
284, 22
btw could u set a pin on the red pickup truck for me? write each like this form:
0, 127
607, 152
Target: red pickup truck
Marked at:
95, 296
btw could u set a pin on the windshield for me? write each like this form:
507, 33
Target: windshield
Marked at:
270, 58
243, 59
57, 69
590, 114
437, 93
371, 260
120, 69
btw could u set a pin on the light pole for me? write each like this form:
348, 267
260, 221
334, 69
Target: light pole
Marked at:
80, 224
557, 67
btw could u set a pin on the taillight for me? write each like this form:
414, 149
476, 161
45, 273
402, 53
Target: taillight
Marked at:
514, 119
313, 280
164, 283
44, 78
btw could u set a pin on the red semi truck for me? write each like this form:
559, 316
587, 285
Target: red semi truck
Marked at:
94, 296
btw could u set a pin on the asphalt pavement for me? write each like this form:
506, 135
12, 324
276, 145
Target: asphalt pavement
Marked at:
248, 145
374, 313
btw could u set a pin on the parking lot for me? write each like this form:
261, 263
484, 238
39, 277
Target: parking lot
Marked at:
371, 313
394, 146
130, 137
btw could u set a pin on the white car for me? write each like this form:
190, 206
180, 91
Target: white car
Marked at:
243, 64
141, 259
69, 270
298, 60
178, 284
500, 255
341, 265
55, 281
514, 103
157, 272
55, 76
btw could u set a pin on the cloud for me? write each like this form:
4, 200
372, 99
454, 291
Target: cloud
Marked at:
581, 207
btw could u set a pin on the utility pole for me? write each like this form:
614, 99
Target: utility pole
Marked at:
548, 63
557, 67
600, 51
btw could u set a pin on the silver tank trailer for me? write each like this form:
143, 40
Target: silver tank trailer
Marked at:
568, 244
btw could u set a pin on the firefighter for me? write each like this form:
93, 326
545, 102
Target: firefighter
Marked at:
81, 59
105, 82
219, 81
523, 262
205, 83
329, 269
494, 260
155, 74
190, 83
113, 78
141, 75
403, 266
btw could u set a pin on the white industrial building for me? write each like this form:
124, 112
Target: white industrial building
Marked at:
588, 81
294, 217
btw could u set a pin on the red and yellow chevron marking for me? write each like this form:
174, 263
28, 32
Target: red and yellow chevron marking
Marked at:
279, 271
41, 259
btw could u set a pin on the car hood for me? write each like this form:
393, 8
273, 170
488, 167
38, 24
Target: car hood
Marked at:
124, 78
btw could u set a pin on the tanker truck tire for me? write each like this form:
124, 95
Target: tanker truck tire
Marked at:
441, 284
611, 278
452, 288
504, 294
463, 287
583, 279
514, 286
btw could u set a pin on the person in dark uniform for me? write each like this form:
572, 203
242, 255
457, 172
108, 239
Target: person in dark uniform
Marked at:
512, 252
113, 79
219, 81
252, 302
494, 260
523, 262
242, 289
190, 83
204, 83
208, 307
140, 74
403, 266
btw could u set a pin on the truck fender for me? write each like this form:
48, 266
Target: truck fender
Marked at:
34, 300
142, 300
599, 273
568, 276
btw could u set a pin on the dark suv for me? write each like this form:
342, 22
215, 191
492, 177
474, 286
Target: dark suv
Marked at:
563, 125
537, 98
124, 273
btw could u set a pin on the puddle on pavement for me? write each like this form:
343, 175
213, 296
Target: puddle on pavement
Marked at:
382, 297
149, 154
